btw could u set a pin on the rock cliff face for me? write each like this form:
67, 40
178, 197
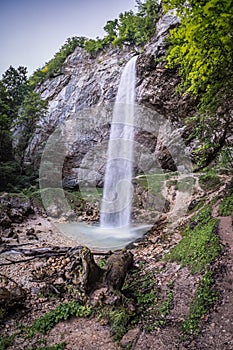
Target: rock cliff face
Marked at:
83, 96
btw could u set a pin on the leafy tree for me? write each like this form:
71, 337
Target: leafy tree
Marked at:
13, 87
202, 48
111, 28
94, 45
137, 29
32, 109
129, 28
20, 108
5, 123
15, 83
149, 11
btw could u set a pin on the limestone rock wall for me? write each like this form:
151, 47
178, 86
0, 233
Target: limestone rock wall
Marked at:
85, 92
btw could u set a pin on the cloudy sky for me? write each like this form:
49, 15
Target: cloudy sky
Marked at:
32, 31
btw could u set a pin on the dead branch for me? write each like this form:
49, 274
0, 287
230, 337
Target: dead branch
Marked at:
11, 262
48, 251
8, 247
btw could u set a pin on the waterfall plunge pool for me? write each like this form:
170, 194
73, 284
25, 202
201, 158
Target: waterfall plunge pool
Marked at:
102, 239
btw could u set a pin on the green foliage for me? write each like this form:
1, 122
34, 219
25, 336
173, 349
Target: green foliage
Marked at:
161, 311
164, 308
59, 346
10, 175
32, 109
14, 180
13, 88
202, 48
5, 123
15, 83
204, 298
54, 66
129, 28
102, 262
226, 158
199, 245
139, 289
148, 11
20, 108
152, 308
119, 320
202, 44
209, 181
111, 29
6, 341
61, 313
94, 45
226, 206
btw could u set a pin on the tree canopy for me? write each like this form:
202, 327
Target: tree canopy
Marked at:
15, 84
20, 106
130, 28
202, 48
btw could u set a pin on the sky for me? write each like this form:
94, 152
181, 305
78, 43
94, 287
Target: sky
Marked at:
32, 31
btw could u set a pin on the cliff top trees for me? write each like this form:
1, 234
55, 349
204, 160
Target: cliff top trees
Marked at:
128, 29
133, 29
202, 48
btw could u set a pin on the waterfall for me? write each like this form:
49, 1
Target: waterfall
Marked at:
118, 189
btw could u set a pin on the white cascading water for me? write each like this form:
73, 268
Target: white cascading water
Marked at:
118, 190
115, 230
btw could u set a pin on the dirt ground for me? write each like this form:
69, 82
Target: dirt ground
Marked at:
92, 334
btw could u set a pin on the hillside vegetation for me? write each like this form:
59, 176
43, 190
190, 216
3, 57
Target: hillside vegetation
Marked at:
202, 49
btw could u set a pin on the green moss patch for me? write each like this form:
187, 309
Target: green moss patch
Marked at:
200, 244
61, 313
152, 305
204, 298
226, 206
6, 341
209, 181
